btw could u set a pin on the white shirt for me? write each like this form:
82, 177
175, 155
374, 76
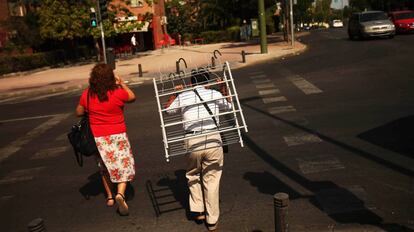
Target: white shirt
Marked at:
133, 40
195, 111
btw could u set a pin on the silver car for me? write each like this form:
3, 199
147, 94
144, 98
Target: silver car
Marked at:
370, 24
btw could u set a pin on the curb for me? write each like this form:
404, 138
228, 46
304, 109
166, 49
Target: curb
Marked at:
133, 80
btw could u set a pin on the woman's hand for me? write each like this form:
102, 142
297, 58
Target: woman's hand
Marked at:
118, 80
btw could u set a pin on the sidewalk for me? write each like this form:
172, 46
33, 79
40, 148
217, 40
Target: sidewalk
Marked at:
53, 80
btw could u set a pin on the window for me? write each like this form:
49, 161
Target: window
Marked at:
137, 3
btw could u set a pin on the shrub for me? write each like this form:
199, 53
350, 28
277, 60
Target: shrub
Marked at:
230, 34
18, 63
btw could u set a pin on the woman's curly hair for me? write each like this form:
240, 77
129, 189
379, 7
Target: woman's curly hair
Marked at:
101, 81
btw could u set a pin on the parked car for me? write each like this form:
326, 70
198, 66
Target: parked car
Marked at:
337, 23
403, 20
370, 24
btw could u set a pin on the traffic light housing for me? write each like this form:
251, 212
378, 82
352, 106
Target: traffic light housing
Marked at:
94, 20
103, 9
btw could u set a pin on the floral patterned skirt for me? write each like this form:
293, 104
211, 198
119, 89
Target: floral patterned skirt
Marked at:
116, 154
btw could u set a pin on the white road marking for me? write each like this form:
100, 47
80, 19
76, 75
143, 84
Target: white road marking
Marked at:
268, 100
281, 109
268, 92
16, 145
20, 175
11, 99
265, 86
49, 153
304, 85
62, 137
29, 118
258, 76
320, 164
261, 81
300, 139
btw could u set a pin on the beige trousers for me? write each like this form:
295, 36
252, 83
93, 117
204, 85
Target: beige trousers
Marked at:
205, 164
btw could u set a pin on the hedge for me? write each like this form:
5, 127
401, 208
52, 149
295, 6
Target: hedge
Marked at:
230, 34
18, 63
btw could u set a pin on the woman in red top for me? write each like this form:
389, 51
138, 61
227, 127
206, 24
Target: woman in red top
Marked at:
107, 95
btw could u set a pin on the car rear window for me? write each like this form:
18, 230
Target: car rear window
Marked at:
406, 15
373, 16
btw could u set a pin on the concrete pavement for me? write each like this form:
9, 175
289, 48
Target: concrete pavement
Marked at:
154, 63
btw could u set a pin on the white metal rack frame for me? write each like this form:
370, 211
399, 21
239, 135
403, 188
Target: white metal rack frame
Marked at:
230, 122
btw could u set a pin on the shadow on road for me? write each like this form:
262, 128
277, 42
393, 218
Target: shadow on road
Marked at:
396, 136
169, 194
95, 187
341, 204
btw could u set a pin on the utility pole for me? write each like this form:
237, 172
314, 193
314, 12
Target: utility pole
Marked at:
262, 22
292, 30
102, 13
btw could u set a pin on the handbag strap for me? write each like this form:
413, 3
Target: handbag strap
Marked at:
207, 108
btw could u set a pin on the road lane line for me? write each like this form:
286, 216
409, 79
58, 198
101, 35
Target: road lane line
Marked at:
300, 139
258, 76
261, 81
29, 118
268, 100
319, 164
49, 153
16, 145
265, 86
281, 109
20, 175
268, 92
304, 85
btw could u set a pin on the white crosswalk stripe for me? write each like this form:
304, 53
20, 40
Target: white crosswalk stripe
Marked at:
265, 86
261, 81
304, 85
268, 100
260, 76
319, 164
299, 139
49, 153
20, 175
16, 145
269, 92
281, 109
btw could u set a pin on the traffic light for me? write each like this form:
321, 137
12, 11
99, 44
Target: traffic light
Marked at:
94, 20
103, 9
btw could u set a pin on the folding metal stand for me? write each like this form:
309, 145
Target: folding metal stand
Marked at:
231, 122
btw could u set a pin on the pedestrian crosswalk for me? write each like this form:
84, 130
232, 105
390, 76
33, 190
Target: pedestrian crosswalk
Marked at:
27, 174
277, 104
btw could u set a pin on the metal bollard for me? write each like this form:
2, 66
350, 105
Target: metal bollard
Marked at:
177, 66
37, 225
243, 54
139, 70
281, 204
213, 63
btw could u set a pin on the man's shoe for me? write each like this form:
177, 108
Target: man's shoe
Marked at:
212, 227
199, 216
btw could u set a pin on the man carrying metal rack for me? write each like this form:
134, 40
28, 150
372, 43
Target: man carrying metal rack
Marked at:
199, 107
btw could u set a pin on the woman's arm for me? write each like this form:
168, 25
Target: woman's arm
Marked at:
120, 82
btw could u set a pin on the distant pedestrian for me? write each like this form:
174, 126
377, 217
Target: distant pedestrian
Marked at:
104, 102
134, 44
205, 162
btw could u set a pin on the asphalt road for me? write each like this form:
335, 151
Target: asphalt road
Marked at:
332, 127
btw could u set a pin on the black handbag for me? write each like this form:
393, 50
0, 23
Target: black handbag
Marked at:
81, 137
223, 138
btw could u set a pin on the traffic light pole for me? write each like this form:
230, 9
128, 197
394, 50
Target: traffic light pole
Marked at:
262, 22
102, 32
292, 31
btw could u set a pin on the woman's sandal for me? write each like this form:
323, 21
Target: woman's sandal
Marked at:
122, 205
110, 201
